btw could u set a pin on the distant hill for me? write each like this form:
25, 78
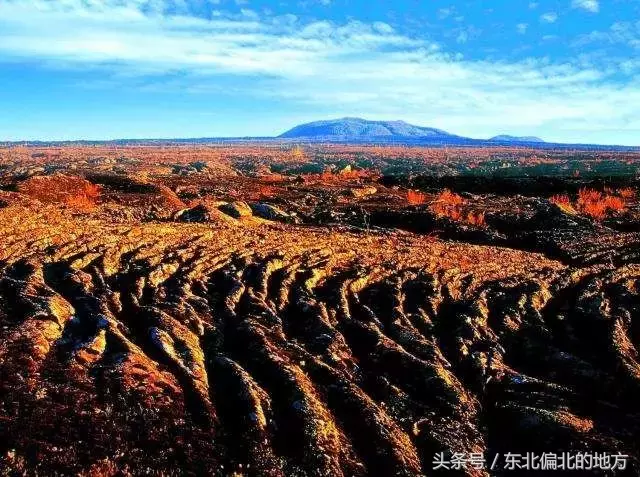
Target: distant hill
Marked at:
362, 129
507, 138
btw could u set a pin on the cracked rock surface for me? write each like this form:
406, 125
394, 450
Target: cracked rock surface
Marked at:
266, 348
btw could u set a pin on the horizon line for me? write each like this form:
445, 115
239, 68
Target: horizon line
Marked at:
336, 139
418, 141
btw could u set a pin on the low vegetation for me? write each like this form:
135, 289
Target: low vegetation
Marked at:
595, 204
452, 206
416, 198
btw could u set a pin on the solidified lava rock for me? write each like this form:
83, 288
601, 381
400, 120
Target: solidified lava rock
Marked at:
236, 210
268, 349
194, 343
270, 212
199, 213
202, 213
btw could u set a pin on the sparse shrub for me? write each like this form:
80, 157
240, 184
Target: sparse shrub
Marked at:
449, 198
588, 196
560, 199
415, 197
563, 201
614, 203
593, 203
627, 193
598, 205
594, 209
450, 205
476, 219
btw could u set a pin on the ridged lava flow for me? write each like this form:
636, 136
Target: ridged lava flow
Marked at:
278, 349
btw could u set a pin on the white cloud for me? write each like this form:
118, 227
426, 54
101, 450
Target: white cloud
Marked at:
619, 33
368, 68
589, 5
549, 17
445, 12
522, 28
383, 27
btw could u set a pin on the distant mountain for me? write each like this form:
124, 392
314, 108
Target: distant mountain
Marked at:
362, 129
359, 130
507, 138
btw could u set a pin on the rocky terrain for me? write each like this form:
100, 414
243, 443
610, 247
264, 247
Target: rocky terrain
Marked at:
173, 311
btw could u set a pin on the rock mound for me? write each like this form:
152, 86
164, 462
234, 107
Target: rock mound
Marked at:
270, 212
237, 210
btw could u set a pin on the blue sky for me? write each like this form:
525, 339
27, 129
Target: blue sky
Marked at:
565, 70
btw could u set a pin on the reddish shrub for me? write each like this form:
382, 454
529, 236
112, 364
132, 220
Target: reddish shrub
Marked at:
627, 193
415, 197
449, 198
454, 214
614, 203
586, 196
595, 209
560, 199
448, 204
563, 201
476, 219
597, 205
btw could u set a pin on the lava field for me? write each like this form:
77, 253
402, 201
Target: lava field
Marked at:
226, 321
